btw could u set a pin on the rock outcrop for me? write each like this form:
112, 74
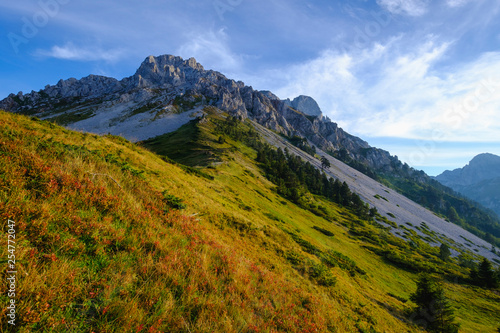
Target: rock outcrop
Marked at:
306, 105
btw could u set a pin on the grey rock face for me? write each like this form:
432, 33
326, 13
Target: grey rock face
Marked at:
65, 91
270, 95
166, 71
479, 180
305, 104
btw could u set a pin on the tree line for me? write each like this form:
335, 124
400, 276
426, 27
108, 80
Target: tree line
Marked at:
294, 177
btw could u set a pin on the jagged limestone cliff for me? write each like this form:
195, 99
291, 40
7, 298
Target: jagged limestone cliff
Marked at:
166, 91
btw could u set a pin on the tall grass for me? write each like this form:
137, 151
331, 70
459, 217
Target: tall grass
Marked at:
102, 247
101, 250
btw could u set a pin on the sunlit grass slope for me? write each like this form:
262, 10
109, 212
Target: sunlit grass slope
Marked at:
102, 246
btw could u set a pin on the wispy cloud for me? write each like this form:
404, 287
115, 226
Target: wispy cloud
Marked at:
457, 3
407, 7
381, 92
213, 51
72, 52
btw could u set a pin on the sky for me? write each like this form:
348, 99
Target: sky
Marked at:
418, 78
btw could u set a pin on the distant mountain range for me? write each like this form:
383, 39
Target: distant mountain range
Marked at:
479, 180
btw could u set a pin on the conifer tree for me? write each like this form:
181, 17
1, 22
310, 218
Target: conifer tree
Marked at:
433, 310
484, 276
444, 252
325, 163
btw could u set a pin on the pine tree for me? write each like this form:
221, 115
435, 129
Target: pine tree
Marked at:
433, 310
345, 195
444, 252
485, 276
325, 163
453, 215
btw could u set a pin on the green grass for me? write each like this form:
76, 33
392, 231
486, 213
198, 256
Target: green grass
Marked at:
188, 146
106, 246
72, 117
184, 146
378, 196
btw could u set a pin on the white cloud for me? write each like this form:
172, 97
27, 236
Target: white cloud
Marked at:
408, 7
380, 92
72, 52
457, 3
212, 50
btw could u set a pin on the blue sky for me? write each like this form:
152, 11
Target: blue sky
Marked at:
418, 78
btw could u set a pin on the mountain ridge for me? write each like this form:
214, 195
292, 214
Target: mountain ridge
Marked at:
167, 92
186, 79
479, 180
132, 239
474, 171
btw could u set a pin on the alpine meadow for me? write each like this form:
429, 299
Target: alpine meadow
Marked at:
233, 166
230, 222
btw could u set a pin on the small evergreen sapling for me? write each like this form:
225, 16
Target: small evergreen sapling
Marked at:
444, 252
484, 276
433, 310
325, 163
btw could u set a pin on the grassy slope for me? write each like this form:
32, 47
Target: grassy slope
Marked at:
184, 146
97, 256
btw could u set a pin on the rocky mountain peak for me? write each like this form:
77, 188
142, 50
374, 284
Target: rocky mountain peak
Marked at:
479, 180
165, 62
486, 160
306, 105
269, 95
166, 70
482, 167
165, 86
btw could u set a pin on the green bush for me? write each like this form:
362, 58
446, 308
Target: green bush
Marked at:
324, 231
333, 259
321, 274
172, 201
